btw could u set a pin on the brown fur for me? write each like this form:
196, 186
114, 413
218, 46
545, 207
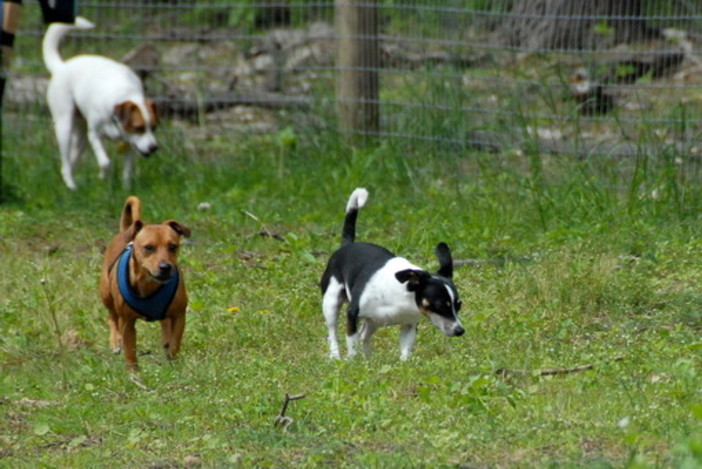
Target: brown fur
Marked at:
132, 119
163, 241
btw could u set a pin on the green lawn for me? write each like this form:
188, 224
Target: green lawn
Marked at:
568, 263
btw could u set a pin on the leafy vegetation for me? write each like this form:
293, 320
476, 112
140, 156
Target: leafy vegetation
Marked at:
567, 263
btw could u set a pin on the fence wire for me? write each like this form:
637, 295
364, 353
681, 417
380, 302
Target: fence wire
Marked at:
568, 76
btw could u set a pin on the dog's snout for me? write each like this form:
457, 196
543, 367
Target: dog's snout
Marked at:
146, 148
165, 268
148, 151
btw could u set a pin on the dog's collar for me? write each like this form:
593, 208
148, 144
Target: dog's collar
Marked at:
153, 307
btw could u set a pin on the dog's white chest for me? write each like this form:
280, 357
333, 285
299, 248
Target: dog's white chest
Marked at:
385, 300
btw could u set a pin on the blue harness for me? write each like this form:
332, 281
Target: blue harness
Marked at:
152, 307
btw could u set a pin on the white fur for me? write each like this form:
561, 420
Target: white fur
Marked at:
358, 199
334, 297
91, 85
384, 302
388, 300
445, 325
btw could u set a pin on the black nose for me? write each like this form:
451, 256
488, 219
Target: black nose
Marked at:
459, 331
165, 268
146, 152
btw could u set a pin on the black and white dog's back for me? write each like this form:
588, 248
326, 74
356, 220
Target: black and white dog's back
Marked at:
383, 289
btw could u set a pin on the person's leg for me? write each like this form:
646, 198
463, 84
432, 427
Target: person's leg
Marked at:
8, 26
58, 11
9, 18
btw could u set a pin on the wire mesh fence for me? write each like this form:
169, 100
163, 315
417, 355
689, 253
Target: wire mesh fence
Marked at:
566, 76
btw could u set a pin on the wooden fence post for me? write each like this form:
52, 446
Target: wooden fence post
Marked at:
357, 64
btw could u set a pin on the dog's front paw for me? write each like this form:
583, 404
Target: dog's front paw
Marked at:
104, 169
68, 178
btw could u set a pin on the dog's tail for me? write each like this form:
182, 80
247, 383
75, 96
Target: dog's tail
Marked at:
130, 213
358, 199
54, 34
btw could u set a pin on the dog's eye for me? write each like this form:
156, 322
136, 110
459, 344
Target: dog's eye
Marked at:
149, 248
172, 247
140, 129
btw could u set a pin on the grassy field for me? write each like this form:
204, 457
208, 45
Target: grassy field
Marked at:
591, 263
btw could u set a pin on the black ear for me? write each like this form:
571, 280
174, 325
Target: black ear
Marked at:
443, 253
178, 228
414, 278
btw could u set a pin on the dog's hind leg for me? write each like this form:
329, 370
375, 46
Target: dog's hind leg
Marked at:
352, 332
63, 113
64, 136
331, 304
367, 330
408, 333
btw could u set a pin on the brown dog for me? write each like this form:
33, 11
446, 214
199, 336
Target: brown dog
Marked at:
141, 279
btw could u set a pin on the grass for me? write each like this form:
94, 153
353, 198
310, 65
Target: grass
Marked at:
587, 262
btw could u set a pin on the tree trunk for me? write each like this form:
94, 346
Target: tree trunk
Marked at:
357, 62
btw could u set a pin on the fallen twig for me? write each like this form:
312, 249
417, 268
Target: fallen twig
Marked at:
270, 234
497, 261
549, 371
264, 231
135, 379
282, 419
175, 103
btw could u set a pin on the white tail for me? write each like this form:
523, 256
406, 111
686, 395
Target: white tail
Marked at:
54, 34
357, 200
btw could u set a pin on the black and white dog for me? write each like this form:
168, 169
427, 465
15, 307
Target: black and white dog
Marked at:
383, 290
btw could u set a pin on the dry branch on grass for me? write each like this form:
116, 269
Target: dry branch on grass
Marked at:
504, 372
282, 419
179, 105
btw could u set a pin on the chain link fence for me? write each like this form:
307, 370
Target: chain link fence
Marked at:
564, 76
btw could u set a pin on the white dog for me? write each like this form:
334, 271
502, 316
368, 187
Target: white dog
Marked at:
93, 96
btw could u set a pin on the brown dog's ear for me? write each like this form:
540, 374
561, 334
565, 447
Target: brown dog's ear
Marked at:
178, 228
153, 111
123, 112
130, 117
